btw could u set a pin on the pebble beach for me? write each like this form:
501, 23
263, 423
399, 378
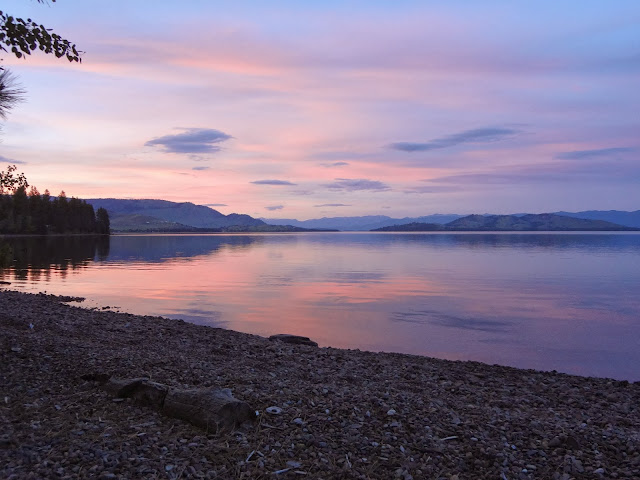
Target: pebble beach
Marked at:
322, 413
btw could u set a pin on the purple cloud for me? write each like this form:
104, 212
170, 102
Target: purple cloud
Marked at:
356, 184
274, 207
11, 161
216, 205
478, 135
193, 140
200, 168
333, 205
272, 182
597, 153
433, 189
334, 164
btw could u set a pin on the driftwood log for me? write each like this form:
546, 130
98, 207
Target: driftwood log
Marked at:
212, 408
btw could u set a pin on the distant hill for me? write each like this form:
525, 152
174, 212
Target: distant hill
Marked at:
365, 223
528, 222
412, 227
629, 219
149, 215
146, 216
137, 223
272, 228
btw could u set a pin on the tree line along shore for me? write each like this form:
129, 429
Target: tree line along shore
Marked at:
25, 211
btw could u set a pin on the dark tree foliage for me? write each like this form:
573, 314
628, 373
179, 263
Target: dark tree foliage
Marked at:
34, 213
10, 93
21, 37
103, 225
10, 182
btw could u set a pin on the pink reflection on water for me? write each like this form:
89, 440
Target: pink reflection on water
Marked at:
450, 304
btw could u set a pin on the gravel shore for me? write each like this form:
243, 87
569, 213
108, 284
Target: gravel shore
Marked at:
342, 413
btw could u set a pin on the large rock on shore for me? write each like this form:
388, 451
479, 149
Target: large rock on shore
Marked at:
294, 339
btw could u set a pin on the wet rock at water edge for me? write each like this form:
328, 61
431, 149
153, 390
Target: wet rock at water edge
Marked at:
293, 339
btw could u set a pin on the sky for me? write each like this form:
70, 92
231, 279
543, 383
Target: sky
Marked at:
323, 109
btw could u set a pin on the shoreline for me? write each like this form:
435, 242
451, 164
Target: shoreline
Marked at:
344, 413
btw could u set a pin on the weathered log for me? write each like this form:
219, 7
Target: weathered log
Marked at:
209, 408
150, 394
123, 387
294, 339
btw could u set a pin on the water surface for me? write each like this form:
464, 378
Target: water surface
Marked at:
563, 301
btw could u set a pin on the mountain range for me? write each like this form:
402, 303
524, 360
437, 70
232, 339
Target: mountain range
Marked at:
508, 223
147, 215
366, 223
372, 222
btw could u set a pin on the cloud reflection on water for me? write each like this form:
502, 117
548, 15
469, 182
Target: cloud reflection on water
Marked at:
535, 301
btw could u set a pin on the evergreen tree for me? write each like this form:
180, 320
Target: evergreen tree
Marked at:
39, 214
103, 226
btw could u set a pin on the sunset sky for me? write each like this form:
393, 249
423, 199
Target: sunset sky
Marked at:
311, 109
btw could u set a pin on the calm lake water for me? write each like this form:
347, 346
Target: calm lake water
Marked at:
566, 301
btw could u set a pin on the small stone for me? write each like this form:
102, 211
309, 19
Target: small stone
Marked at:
391, 412
274, 410
298, 421
555, 442
572, 443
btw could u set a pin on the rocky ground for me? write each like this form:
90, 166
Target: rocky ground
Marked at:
340, 413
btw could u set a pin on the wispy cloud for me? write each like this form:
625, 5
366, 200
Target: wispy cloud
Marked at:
356, 184
192, 140
215, 205
596, 153
432, 189
272, 182
508, 177
333, 205
274, 207
11, 161
334, 164
478, 135
200, 168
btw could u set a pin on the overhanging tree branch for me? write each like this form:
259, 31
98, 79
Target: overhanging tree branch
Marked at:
21, 37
